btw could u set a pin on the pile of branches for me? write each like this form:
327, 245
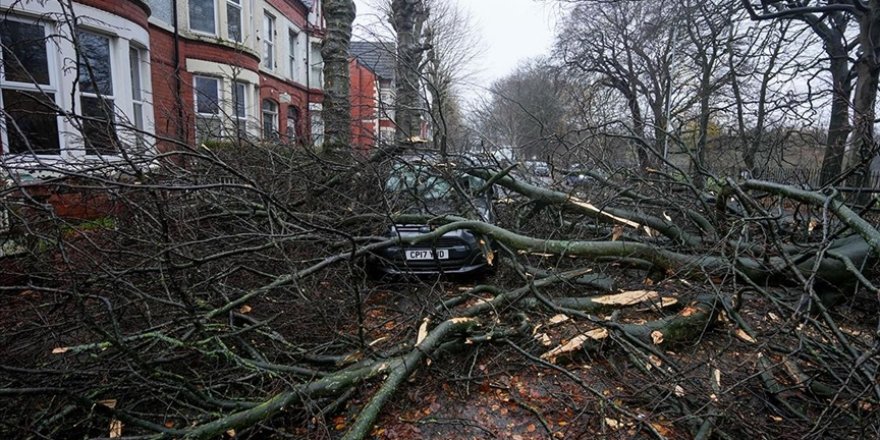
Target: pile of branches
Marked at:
224, 292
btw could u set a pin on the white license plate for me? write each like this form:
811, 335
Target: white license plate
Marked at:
426, 254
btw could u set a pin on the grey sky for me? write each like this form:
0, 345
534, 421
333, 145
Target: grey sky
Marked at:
513, 31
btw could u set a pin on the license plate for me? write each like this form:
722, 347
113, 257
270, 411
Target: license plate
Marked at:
426, 254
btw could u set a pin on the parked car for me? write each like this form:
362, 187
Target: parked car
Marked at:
577, 175
423, 190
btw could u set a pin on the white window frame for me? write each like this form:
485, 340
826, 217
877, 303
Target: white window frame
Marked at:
316, 67
316, 123
213, 33
138, 106
241, 120
235, 4
52, 87
218, 104
293, 52
114, 85
274, 118
62, 51
270, 26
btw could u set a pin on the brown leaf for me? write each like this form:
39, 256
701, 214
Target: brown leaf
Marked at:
245, 309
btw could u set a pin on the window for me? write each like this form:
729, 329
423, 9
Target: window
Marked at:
317, 124
270, 120
207, 96
162, 10
239, 104
292, 123
96, 97
293, 47
317, 67
30, 122
203, 16
233, 19
137, 95
269, 41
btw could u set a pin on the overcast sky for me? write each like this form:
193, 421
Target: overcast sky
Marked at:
513, 31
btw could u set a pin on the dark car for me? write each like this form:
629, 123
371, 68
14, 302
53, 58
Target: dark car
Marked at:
419, 191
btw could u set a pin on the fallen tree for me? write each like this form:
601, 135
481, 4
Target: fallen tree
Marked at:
230, 304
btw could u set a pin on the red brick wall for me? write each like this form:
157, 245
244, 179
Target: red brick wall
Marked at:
293, 10
134, 10
273, 88
364, 99
165, 88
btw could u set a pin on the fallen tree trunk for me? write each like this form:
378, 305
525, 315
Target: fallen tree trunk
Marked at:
609, 214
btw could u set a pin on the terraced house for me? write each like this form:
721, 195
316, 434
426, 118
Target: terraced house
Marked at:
173, 70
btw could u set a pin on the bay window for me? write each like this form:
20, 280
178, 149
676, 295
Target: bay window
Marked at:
29, 84
70, 93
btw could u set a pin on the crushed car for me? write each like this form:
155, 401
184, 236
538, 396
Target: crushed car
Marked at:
424, 193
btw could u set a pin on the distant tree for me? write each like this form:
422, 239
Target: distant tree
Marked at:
453, 49
830, 21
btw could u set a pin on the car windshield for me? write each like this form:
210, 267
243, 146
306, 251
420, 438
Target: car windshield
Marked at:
424, 184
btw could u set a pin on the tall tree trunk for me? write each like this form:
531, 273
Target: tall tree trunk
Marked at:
838, 126
865, 96
408, 17
635, 110
339, 16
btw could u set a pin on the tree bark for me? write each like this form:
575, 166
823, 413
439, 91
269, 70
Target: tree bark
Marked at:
339, 15
408, 18
865, 96
838, 126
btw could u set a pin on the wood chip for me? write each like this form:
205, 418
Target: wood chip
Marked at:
744, 336
575, 344
630, 298
423, 331
657, 337
558, 319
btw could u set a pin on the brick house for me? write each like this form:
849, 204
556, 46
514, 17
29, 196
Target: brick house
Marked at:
364, 112
381, 58
182, 70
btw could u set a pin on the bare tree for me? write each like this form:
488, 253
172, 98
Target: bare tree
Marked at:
635, 60
830, 21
